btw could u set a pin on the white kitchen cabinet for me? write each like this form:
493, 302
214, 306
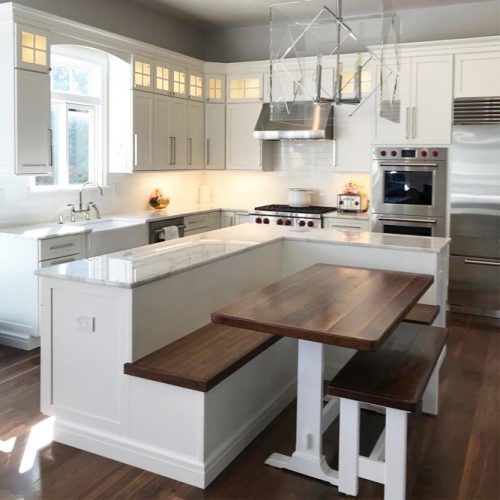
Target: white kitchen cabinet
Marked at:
202, 222
230, 218
343, 223
215, 88
32, 48
477, 74
162, 78
142, 73
195, 135
177, 130
425, 103
161, 139
215, 136
178, 82
143, 125
243, 152
33, 148
245, 88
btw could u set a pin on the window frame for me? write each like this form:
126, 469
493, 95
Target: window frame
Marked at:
98, 106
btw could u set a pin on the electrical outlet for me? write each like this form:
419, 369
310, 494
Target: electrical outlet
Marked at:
85, 324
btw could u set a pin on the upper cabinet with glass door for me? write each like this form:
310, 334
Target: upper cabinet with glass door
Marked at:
215, 88
244, 88
162, 78
142, 73
32, 49
178, 83
195, 87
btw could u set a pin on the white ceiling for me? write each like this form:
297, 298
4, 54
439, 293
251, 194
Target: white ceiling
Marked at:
233, 13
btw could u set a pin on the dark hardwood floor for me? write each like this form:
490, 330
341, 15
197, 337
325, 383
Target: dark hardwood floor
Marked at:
455, 455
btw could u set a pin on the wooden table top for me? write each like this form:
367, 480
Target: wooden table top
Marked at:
337, 305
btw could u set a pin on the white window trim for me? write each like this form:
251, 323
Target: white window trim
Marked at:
100, 107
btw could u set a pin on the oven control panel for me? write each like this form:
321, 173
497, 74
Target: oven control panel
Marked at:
405, 153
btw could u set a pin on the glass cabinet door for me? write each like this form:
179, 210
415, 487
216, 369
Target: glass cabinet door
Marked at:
162, 78
179, 84
245, 88
142, 73
215, 88
195, 90
32, 49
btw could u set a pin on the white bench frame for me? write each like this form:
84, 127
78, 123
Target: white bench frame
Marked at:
386, 463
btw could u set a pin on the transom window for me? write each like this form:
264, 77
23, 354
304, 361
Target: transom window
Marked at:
179, 82
215, 88
162, 78
33, 48
195, 86
78, 95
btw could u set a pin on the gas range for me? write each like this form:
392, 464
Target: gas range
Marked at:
285, 215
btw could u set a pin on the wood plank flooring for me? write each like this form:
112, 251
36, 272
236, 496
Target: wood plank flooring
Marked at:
455, 455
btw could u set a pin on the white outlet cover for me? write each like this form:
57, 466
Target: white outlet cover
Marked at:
85, 324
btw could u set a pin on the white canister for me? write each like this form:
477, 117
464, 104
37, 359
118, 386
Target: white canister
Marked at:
299, 197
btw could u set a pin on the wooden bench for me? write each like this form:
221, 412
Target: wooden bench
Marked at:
203, 358
399, 376
422, 314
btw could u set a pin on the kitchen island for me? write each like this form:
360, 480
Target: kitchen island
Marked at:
102, 313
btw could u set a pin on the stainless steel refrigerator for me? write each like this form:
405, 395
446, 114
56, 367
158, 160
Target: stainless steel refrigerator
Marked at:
475, 220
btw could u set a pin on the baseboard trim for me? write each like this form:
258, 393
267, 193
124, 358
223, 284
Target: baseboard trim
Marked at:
24, 343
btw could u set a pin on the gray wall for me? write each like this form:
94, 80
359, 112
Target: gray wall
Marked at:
417, 25
128, 19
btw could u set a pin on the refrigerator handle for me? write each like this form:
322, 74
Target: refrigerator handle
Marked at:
482, 262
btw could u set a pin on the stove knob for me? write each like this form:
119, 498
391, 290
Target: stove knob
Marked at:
435, 154
266, 220
258, 220
302, 223
394, 153
356, 203
288, 222
383, 153
310, 223
424, 153
279, 222
341, 202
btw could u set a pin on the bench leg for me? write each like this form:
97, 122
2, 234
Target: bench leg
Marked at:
430, 399
349, 446
395, 454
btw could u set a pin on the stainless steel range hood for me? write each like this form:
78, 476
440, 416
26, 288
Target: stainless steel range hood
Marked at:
301, 120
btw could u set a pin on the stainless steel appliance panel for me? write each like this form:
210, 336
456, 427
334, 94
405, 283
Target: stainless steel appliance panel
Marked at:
475, 219
414, 226
474, 284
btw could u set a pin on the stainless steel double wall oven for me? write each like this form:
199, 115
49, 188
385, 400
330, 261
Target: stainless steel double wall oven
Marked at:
409, 187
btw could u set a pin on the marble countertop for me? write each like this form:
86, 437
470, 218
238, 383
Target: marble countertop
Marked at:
142, 265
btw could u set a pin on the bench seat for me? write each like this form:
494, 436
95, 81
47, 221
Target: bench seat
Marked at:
396, 375
422, 314
203, 358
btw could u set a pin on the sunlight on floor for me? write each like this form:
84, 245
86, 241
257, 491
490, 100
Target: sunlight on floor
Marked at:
40, 436
8, 445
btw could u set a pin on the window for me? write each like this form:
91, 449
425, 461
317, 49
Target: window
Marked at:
77, 98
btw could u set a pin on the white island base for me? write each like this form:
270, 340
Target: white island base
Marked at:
101, 313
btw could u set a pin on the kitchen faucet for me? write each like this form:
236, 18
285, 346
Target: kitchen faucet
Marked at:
80, 208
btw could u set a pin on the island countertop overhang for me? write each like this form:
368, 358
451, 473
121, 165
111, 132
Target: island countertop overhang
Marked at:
142, 265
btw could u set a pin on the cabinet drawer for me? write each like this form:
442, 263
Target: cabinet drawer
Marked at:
52, 248
61, 260
196, 222
348, 225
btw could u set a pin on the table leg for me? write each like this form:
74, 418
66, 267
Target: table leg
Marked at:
308, 458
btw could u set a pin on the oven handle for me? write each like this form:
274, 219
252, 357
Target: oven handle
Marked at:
481, 262
419, 221
385, 164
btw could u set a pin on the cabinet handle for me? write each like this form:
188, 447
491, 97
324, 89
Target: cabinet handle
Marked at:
171, 151
482, 262
208, 151
64, 260
260, 152
51, 154
190, 151
345, 227
34, 165
408, 123
135, 150
414, 123
63, 245
401, 219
